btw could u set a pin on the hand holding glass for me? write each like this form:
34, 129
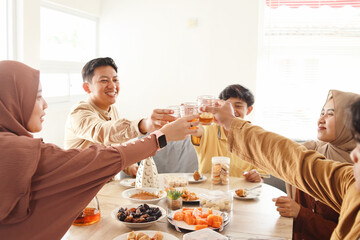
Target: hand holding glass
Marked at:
189, 108
206, 118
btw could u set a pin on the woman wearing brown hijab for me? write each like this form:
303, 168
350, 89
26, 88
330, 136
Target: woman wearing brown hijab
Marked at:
43, 187
313, 219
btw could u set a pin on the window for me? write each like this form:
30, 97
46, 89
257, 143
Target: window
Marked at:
308, 48
68, 41
7, 33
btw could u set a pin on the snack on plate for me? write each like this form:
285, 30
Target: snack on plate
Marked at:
241, 192
217, 200
196, 175
158, 236
175, 181
199, 217
188, 195
142, 236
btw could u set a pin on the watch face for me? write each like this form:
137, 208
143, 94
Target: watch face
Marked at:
162, 141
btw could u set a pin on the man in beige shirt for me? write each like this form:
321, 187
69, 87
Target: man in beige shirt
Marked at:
97, 120
333, 183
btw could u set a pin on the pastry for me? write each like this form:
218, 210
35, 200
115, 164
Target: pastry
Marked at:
241, 192
196, 175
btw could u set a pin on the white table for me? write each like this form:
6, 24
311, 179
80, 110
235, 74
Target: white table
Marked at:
256, 218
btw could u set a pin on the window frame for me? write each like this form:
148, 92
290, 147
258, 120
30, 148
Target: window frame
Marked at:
268, 51
67, 67
11, 30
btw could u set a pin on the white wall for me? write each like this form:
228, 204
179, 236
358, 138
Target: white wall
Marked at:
164, 61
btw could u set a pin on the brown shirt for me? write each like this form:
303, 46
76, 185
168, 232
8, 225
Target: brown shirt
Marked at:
87, 124
331, 182
62, 185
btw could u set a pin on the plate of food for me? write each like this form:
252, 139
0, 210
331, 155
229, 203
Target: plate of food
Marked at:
196, 177
189, 194
153, 235
192, 219
244, 194
144, 195
138, 216
128, 182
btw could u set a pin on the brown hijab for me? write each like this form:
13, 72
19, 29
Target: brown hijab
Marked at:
339, 149
19, 151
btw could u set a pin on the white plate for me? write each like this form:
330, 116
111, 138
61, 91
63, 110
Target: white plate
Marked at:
250, 194
167, 236
137, 225
128, 193
128, 182
192, 180
184, 225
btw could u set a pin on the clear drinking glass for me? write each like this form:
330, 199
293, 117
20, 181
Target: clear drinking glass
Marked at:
189, 108
176, 109
206, 118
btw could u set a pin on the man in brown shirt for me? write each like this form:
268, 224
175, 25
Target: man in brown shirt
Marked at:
97, 120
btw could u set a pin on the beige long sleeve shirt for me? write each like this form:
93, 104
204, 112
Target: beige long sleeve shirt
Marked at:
331, 182
87, 125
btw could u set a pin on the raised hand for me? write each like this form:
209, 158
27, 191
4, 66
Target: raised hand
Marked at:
287, 207
181, 128
252, 176
158, 118
223, 112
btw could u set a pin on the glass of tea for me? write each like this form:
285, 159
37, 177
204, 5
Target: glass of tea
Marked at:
90, 215
189, 108
206, 118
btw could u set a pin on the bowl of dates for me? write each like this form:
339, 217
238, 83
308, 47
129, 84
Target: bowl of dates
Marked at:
138, 216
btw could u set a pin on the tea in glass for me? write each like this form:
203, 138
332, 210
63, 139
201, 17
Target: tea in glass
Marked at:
206, 118
90, 215
87, 217
187, 109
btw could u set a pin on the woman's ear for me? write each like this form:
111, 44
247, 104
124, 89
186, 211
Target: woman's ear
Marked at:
86, 87
249, 110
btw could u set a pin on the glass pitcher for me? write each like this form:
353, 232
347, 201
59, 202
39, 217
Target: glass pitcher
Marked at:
90, 215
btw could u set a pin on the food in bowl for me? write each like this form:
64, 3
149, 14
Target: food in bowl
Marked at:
144, 195
217, 200
141, 214
142, 236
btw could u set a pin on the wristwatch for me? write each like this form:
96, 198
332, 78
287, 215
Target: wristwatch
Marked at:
160, 138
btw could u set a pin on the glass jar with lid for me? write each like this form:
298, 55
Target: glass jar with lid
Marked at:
220, 170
